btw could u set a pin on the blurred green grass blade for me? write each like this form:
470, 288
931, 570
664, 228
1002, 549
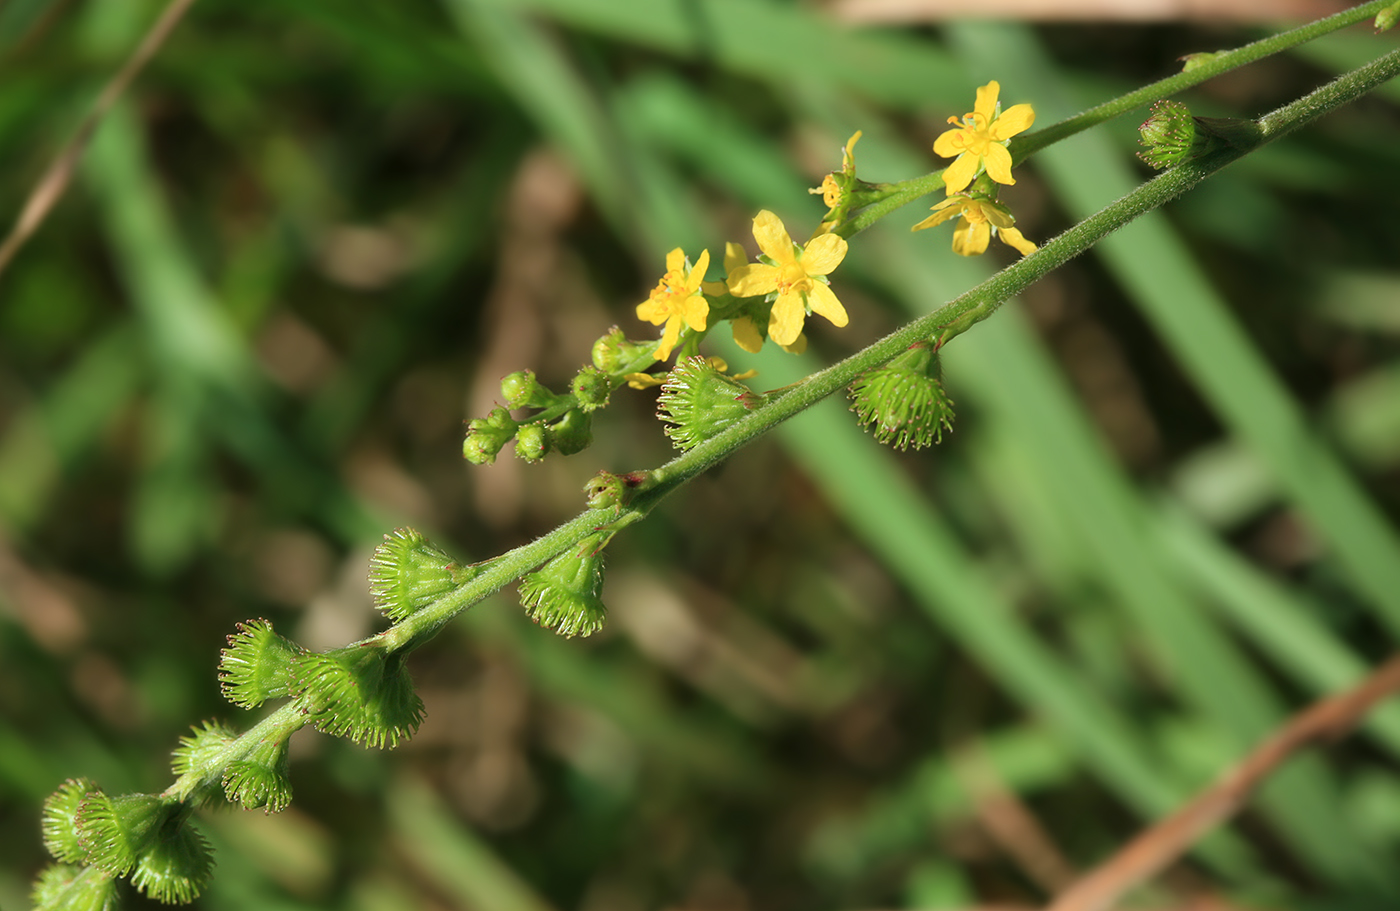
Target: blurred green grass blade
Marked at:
1161, 278
534, 67
198, 358
455, 859
1011, 375
50, 436
775, 41
899, 525
1026, 761
190, 334
175, 510
558, 668
1278, 620
1364, 415
1207, 665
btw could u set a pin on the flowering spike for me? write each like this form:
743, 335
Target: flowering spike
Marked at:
61, 887
904, 401
361, 692
115, 831
200, 750
700, 401
177, 865
255, 666
60, 820
563, 595
408, 572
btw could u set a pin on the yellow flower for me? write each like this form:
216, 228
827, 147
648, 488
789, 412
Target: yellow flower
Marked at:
981, 218
980, 139
676, 299
833, 185
795, 278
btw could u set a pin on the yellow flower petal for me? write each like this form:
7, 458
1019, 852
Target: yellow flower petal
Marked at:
947, 144
772, 237
753, 280
697, 274
697, 310
824, 254
675, 260
785, 322
948, 208
997, 215
971, 239
734, 256
653, 311
669, 338
998, 164
1016, 119
986, 106
959, 174
798, 346
746, 335
823, 301
644, 380
1015, 239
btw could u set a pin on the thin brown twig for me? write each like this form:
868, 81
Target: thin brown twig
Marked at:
1010, 823
55, 180
1150, 852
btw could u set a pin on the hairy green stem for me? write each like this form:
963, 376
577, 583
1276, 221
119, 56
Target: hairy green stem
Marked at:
208, 777
941, 325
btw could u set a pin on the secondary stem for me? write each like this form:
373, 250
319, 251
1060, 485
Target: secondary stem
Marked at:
1022, 147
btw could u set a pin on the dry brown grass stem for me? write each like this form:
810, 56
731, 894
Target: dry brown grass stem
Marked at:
1150, 852
55, 180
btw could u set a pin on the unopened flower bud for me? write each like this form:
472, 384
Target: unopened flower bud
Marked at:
606, 490
1386, 18
522, 390
591, 387
616, 354
531, 443
486, 436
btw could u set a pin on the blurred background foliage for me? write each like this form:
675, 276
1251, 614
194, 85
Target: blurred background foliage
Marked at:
315, 236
